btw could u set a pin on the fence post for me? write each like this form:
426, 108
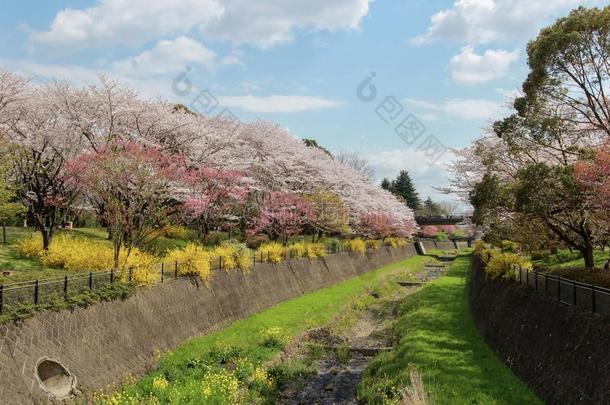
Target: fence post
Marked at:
36, 293
111, 276
536, 280
559, 288
574, 291
90, 281
130, 274
254, 259
1, 298
66, 287
592, 297
261, 257
162, 271
546, 283
219, 262
527, 276
520, 276
176, 270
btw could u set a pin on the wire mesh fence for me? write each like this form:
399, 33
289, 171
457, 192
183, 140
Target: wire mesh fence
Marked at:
585, 296
43, 291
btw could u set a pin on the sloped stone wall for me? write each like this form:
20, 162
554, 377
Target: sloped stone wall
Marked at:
560, 351
102, 343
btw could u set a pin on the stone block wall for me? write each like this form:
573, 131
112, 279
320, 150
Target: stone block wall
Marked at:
100, 344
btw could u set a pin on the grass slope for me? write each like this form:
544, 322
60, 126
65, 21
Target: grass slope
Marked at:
438, 338
183, 368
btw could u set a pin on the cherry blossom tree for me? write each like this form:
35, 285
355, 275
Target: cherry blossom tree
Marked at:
429, 231
281, 216
135, 183
382, 224
214, 195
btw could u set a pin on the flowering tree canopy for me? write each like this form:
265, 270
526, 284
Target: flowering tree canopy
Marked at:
214, 196
54, 123
134, 183
282, 215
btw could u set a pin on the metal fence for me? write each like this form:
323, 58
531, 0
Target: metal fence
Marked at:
570, 292
43, 291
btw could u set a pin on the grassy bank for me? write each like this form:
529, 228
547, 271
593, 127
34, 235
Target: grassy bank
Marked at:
225, 367
438, 338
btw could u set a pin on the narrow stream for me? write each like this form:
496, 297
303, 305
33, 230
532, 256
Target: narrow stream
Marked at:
336, 381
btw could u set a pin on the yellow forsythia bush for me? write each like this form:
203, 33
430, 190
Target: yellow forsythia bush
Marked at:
505, 264
355, 245
224, 255
373, 244
479, 247
144, 266
86, 255
396, 242
232, 255
272, 252
315, 250
509, 246
78, 254
192, 260
30, 247
301, 250
296, 250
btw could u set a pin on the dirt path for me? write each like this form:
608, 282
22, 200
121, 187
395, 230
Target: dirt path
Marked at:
340, 370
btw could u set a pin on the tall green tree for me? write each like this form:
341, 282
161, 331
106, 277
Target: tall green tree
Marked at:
386, 184
431, 208
403, 187
570, 69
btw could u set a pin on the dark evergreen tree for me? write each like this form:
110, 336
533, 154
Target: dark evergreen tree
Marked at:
386, 184
403, 187
431, 208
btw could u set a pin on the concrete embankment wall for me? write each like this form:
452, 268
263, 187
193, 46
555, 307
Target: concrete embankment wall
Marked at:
561, 352
100, 344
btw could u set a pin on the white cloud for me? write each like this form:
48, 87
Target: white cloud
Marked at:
484, 21
460, 108
132, 22
167, 57
426, 175
471, 68
277, 103
269, 22
263, 23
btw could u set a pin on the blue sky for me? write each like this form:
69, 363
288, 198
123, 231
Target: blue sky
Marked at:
454, 65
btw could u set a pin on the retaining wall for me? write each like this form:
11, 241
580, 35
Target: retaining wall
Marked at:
560, 351
102, 343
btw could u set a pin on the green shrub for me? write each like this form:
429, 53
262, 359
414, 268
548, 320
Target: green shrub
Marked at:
275, 337
441, 237
563, 256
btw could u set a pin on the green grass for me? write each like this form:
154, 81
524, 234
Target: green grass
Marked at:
438, 338
552, 261
185, 368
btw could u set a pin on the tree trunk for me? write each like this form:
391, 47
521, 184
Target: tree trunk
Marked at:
587, 254
46, 238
